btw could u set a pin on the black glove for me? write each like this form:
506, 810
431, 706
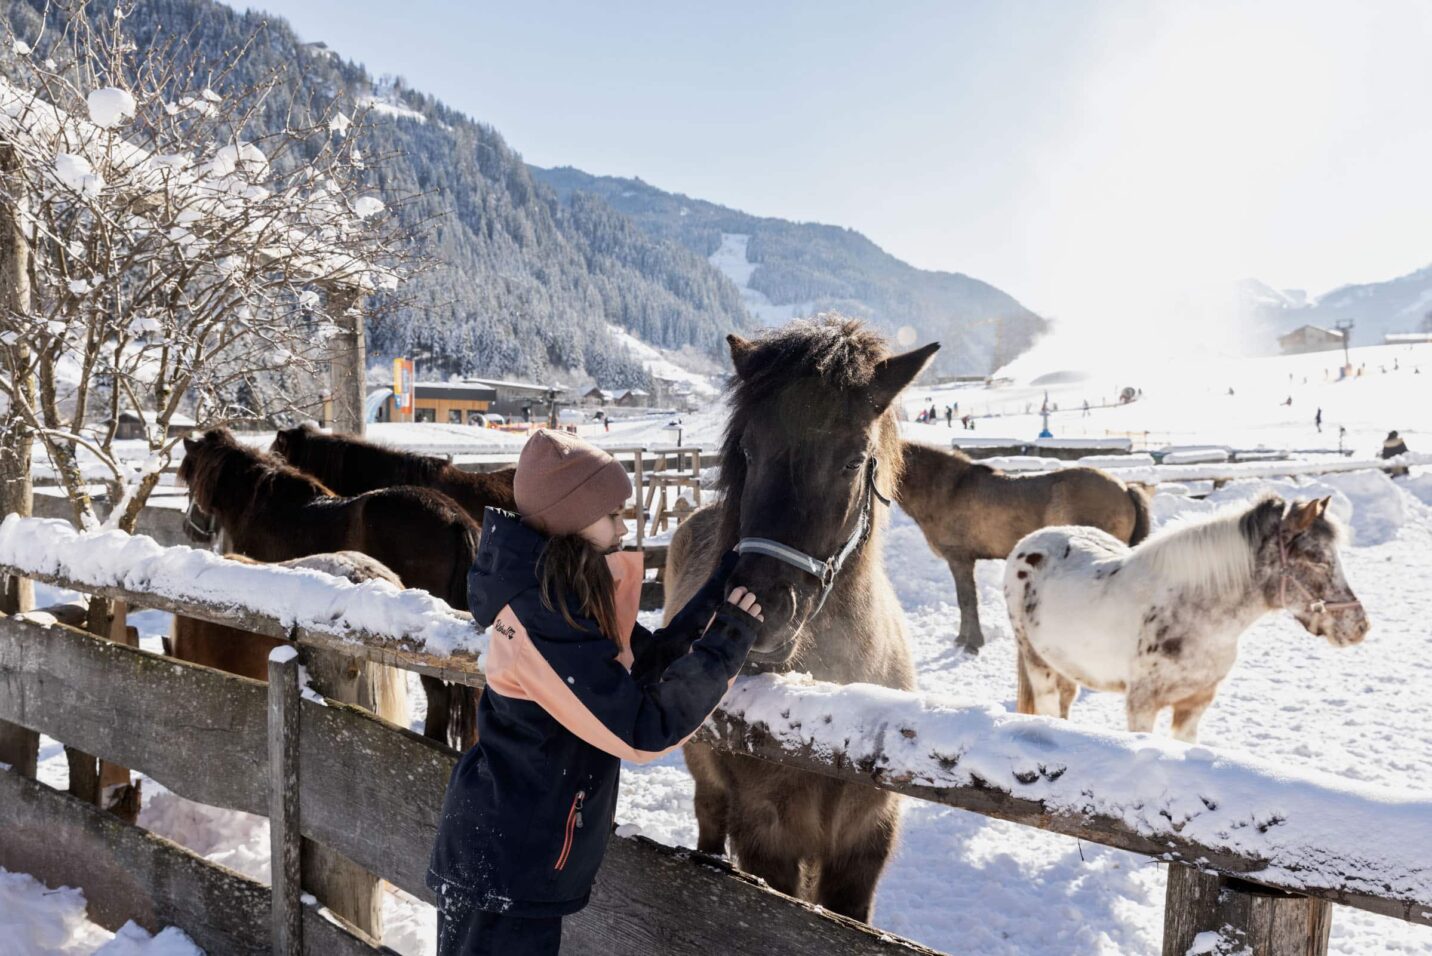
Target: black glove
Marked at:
704, 603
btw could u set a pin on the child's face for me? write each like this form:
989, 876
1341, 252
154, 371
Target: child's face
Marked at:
606, 533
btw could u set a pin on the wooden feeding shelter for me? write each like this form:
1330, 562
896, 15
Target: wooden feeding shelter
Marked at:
1310, 338
132, 425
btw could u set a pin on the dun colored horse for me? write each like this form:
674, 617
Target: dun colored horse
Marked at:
969, 512
811, 453
271, 511
347, 889
1160, 622
351, 466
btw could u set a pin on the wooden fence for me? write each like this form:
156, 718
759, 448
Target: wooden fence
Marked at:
372, 791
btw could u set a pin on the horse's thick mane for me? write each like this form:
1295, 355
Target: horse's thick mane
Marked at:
324, 454
1216, 553
225, 474
1212, 553
839, 353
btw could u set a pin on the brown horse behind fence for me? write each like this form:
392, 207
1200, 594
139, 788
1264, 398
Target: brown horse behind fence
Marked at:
811, 452
969, 511
271, 511
342, 886
351, 466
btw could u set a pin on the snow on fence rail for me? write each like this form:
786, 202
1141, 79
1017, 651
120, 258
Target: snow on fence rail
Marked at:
1304, 833
1233, 471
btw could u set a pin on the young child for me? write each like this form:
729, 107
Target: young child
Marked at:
574, 686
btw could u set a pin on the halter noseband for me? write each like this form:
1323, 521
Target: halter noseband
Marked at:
1316, 605
202, 532
827, 570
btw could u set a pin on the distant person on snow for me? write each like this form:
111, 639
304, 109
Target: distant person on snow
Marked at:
574, 687
1289, 401
949, 416
1318, 420
1391, 448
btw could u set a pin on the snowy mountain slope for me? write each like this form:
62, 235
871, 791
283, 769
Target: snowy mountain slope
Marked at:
1402, 304
804, 267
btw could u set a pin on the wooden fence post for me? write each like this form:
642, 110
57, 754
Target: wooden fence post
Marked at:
285, 841
640, 508
1248, 917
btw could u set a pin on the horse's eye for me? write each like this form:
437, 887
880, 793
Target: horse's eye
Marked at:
746, 451
855, 463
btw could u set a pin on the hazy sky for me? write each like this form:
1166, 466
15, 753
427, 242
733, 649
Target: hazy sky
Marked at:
1086, 157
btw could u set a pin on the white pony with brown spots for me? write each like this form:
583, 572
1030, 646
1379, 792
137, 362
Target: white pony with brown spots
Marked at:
1160, 622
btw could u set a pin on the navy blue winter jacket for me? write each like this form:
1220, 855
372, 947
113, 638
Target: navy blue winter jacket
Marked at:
530, 807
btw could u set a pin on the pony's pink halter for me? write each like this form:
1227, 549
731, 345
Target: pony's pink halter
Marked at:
1316, 605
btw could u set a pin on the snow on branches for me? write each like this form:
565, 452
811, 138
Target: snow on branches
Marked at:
188, 255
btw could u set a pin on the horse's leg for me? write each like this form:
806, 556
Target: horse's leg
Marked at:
763, 850
1068, 690
713, 802
1141, 708
963, 569
1044, 688
849, 872
1188, 712
439, 694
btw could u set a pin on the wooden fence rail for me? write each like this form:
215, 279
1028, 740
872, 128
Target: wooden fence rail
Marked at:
367, 789
1048, 774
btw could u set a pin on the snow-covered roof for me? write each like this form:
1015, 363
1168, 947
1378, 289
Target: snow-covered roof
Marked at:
523, 386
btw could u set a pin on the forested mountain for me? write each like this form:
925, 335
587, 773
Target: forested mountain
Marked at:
786, 267
522, 285
525, 282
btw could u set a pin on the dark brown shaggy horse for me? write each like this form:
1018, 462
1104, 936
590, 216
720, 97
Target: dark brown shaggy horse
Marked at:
351, 466
342, 886
271, 511
812, 450
969, 511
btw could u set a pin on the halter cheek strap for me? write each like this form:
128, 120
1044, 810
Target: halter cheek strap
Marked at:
824, 571
1315, 604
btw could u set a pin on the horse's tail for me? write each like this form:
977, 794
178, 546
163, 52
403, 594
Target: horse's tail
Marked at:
1140, 500
462, 699
1024, 696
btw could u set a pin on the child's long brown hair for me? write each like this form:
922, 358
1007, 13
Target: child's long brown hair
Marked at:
572, 567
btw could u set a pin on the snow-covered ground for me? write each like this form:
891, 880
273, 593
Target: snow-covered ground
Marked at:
964, 883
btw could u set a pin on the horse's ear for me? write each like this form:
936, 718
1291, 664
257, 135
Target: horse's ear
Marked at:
893, 374
189, 445
1322, 505
1300, 517
741, 350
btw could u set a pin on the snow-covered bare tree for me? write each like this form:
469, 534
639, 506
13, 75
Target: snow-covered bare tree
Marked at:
183, 260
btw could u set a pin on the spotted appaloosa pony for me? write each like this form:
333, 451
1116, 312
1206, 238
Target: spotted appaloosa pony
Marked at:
1161, 622
969, 511
810, 457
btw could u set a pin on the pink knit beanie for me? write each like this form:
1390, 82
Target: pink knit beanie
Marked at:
564, 484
